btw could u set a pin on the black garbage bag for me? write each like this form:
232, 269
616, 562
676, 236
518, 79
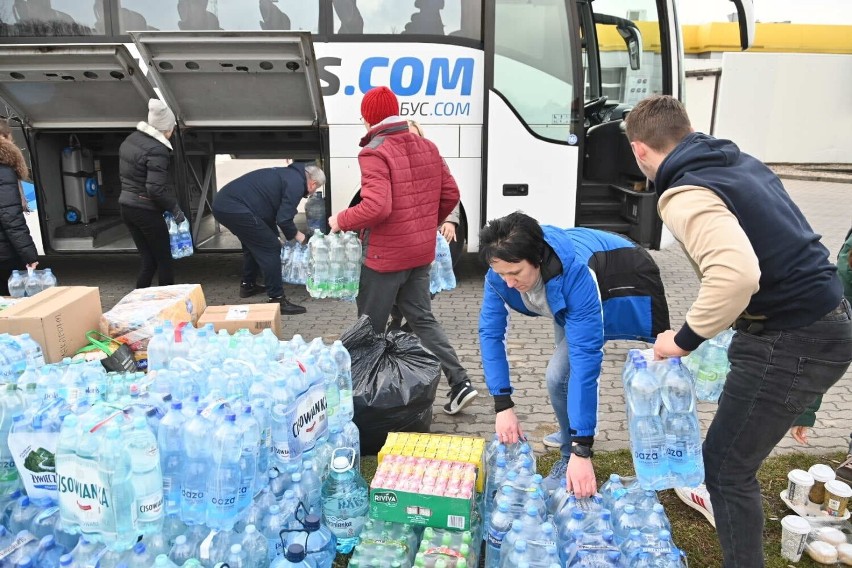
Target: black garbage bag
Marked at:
394, 380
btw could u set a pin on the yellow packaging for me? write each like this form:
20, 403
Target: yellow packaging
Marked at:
439, 446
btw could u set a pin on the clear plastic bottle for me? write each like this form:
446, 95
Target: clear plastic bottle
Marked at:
116, 472
344, 380
147, 477
32, 283
345, 501
712, 372
196, 443
170, 442
223, 482
17, 284
315, 212
294, 558
352, 266
159, 347
174, 235
48, 279
273, 524
250, 433
32, 351
255, 546
498, 526
11, 405
318, 268
185, 239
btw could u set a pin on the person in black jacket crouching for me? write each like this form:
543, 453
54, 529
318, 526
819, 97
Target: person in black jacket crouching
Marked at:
146, 195
17, 249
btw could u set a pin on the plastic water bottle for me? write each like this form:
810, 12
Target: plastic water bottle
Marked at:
49, 553
181, 550
223, 483
344, 380
163, 561
319, 542
711, 372
147, 477
250, 433
116, 471
48, 279
237, 558
498, 526
345, 501
643, 391
22, 515
294, 558
315, 212
648, 441
683, 432
185, 239
159, 347
352, 267
32, 283
336, 262
444, 260
318, 268
174, 235
170, 442
11, 405
17, 284
196, 443
273, 524
255, 546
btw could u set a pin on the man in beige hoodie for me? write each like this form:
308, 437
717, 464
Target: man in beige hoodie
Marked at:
764, 271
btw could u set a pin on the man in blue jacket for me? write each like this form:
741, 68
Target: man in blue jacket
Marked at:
595, 286
253, 207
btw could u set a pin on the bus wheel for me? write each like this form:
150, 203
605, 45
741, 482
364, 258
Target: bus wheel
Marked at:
72, 216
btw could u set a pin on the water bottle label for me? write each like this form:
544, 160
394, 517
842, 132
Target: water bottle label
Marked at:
17, 544
34, 460
495, 538
150, 507
345, 527
83, 497
308, 417
8, 471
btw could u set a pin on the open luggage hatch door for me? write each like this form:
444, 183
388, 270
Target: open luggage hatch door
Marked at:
73, 85
236, 79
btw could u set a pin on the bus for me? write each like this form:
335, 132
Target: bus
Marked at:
525, 99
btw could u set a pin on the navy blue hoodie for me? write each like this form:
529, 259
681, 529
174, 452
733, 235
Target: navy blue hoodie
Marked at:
798, 282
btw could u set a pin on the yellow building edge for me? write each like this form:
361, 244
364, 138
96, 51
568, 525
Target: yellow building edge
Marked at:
725, 36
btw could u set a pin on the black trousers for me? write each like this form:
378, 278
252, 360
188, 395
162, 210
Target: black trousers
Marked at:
149, 232
261, 248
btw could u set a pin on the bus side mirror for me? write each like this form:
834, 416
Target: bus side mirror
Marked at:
633, 38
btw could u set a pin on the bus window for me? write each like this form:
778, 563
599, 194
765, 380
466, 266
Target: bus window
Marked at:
41, 18
219, 14
619, 82
532, 64
459, 18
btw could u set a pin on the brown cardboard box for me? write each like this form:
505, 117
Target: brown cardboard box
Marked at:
254, 317
58, 318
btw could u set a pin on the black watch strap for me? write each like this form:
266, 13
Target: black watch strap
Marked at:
582, 450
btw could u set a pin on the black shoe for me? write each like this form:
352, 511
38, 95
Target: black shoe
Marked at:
460, 396
247, 290
287, 307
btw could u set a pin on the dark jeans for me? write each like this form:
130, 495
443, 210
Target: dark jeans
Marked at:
149, 232
409, 289
261, 248
774, 377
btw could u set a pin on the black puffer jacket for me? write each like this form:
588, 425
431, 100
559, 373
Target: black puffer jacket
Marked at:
15, 241
144, 171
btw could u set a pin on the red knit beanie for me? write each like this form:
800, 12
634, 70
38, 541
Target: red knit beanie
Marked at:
378, 104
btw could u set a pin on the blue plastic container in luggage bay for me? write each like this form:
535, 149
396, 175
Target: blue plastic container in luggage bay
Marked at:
80, 183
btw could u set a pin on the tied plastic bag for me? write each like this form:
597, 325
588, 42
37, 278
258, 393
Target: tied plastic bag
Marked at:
394, 381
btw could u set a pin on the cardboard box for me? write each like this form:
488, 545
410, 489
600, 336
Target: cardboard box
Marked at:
58, 318
422, 510
254, 317
441, 446
133, 318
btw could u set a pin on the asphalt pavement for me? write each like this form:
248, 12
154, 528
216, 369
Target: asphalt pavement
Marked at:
828, 207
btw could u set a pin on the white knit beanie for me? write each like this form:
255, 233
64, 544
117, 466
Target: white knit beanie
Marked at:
160, 116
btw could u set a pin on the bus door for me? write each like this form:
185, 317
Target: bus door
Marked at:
76, 103
533, 127
237, 95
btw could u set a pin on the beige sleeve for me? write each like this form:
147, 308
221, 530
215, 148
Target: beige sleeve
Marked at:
718, 246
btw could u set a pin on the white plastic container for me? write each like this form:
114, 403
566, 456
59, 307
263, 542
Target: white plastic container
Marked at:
799, 483
794, 532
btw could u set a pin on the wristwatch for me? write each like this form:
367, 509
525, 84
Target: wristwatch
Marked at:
581, 450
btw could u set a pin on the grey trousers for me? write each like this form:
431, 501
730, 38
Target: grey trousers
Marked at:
409, 289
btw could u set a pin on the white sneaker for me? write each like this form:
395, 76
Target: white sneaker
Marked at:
699, 499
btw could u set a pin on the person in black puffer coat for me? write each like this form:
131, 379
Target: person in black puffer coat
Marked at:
17, 250
146, 195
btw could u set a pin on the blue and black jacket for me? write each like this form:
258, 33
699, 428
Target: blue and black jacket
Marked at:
599, 287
